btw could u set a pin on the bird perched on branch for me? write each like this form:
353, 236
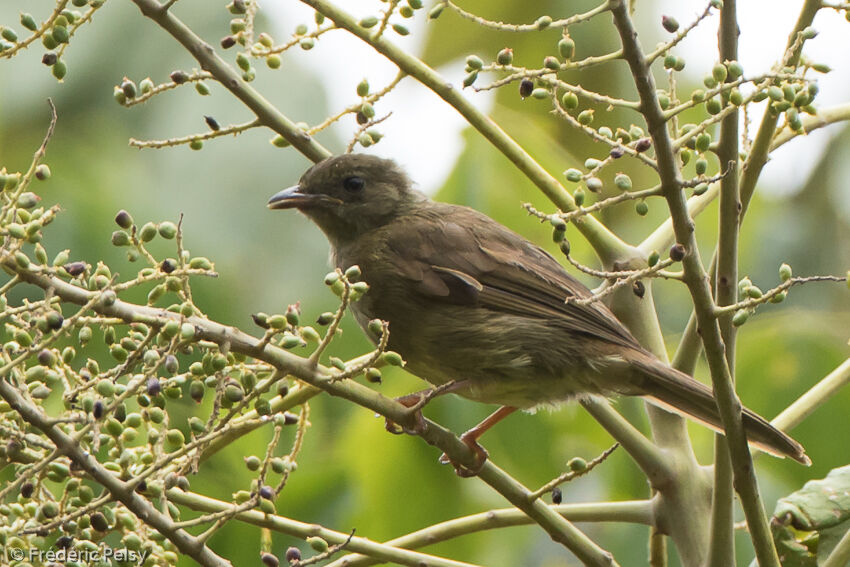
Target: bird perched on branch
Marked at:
471, 303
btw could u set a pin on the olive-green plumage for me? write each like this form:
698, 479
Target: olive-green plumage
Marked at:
469, 300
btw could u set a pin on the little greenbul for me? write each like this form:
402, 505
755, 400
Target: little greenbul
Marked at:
470, 302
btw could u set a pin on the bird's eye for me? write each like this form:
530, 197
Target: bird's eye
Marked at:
353, 184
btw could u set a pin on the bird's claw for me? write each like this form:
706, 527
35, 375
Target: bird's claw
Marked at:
480, 453
418, 427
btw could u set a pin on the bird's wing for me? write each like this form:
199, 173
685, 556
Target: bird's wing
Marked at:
465, 258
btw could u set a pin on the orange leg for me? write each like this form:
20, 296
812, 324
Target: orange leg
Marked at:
470, 438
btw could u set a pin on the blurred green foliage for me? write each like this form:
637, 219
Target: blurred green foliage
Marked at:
352, 474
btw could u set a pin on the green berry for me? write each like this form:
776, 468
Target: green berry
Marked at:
474, 63
719, 72
368, 22
543, 22
573, 175
594, 184
735, 69
623, 182
120, 238
579, 196
566, 47
363, 88
740, 317
59, 69
392, 358
551, 63
505, 56
735, 97
641, 208
713, 106
569, 101
28, 22
785, 272
168, 230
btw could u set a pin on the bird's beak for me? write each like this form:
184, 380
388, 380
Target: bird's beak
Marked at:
291, 198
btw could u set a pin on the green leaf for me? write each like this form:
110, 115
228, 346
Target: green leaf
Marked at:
807, 524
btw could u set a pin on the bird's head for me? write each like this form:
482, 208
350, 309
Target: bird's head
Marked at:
349, 195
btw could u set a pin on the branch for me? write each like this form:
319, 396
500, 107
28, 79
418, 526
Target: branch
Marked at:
501, 26
697, 281
817, 395
824, 117
629, 511
144, 510
648, 457
204, 53
320, 377
382, 552
721, 549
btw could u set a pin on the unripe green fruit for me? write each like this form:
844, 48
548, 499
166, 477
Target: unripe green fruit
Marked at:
579, 196
28, 22
59, 69
713, 106
735, 97
641, 208
585, 117
569, 101
363, 88
623, 182
474, 62
740, 317
540, 93
60, 34
735, 69
505, 56
719, 72
566, 47
573, 175
551, 63
392, 358
120, 238
594, 184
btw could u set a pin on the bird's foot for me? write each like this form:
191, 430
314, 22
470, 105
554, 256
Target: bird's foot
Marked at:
414, 403
470, 440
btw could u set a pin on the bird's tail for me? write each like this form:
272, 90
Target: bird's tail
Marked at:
677, 392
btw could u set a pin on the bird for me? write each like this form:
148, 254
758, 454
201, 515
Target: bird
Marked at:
483, 312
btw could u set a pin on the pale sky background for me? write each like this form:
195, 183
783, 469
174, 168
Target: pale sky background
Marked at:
423, 124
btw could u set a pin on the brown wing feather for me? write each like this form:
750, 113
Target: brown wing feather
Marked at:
482, 263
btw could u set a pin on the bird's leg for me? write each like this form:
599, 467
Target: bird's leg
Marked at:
470, 438
415, 402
